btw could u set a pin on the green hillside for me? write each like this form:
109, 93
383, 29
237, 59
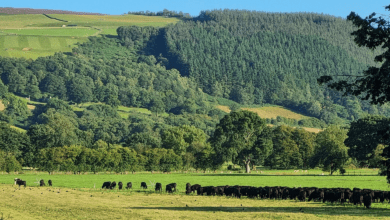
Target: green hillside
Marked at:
36, 35
255, 58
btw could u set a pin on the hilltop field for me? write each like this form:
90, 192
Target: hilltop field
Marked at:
37, 35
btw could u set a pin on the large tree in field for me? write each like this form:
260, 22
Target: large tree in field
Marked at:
374, 83
364, 139
330, 151
236, 136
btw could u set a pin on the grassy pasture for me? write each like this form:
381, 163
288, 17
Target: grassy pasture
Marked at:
268, 112
115, 20
79, 32
36, 46
273, 112
24, 20
64, 203
73, 196
369, 179
33, 36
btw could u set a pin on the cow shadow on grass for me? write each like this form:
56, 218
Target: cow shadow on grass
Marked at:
327, 210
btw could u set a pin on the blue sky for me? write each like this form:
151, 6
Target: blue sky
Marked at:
339, 8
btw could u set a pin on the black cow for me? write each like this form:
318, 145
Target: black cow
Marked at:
42, 183
173, 186
232, 191
367, 200
143, 185
302, 195
168, 188
106, 185
210, 190
20, 182
195, 187
158, 187
357, 197
50, 183
199, 191
113, 184
129, 185
120, 185
285, 193
188, 188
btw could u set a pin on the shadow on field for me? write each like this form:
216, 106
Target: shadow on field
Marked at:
359, 211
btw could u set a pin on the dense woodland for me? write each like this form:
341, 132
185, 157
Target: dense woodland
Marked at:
256, 58
180, 73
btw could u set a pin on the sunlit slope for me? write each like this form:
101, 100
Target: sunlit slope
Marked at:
273, 112
269, 112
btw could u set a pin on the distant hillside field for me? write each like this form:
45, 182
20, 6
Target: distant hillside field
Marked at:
36, 35
36, 46
269, 112
274, 111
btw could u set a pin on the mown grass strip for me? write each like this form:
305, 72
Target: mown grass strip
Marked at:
23, 42
44, 43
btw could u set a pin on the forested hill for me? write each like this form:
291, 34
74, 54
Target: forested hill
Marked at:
258, 57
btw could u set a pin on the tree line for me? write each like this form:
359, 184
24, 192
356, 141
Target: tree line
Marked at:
240, 137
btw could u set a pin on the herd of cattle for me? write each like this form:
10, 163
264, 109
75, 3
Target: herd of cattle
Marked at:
21, 182
341, 195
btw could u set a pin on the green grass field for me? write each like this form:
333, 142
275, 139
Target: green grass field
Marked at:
369, 179
80, 197
33, 36
35, 46
22, 21
66, 203
273, 112
55, 32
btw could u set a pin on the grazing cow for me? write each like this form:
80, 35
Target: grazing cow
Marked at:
220, 190
143, 185
367, 200
120, 185
158, 187
188, 188
106, 185
195, 187
42, 183
129, 185
168, 188
113, 184
16, 179
50, 183
173, 186
20, 182
302, 195
210, 190
285, 193
357, 197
